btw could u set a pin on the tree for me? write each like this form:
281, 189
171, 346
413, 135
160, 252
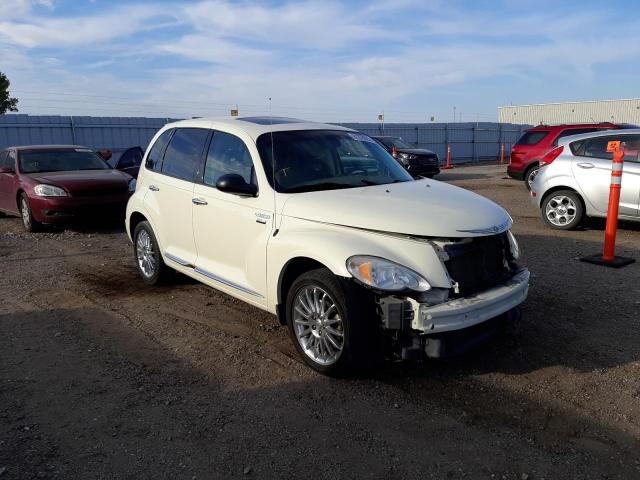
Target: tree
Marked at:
7, 104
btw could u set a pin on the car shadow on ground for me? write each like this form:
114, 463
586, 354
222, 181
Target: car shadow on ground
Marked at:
118, 402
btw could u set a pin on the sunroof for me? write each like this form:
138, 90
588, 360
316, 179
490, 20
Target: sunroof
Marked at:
270, 120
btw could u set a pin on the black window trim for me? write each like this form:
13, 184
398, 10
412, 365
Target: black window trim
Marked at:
203, 165
198, 171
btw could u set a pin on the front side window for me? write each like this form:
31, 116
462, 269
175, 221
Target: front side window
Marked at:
391, 142
532, 138
311, 160
184, 152
573, 131
227, 154
60, 160
154, 159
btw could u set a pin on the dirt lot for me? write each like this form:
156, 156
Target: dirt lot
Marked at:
102, 377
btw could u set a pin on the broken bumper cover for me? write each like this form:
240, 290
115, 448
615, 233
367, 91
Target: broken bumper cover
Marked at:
466, 312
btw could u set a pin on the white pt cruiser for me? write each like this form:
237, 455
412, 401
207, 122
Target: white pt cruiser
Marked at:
319, 225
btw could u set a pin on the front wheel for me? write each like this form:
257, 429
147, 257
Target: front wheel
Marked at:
30, 224
562, 210
149, 262
333, 330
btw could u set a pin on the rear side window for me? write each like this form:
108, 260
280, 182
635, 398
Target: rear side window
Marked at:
227, 154
597, 147
183, 154
532, 138
154, 159
3, 159
573, 131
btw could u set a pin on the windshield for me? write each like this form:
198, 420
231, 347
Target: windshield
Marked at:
311, 160
395, 142
60, 160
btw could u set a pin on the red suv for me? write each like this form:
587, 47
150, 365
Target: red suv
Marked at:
527, 152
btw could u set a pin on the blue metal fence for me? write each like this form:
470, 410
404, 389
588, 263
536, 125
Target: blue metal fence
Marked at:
469, 141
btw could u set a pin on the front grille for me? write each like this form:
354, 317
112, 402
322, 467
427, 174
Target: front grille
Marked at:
479, 263
100, 192
427, 161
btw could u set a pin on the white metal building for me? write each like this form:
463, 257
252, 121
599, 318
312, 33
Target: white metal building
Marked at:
621, 111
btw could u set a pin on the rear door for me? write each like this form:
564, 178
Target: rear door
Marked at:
6, 182
170, 192
592, 170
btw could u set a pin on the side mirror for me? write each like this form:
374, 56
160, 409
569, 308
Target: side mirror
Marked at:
106, 154
234, 183
7, 170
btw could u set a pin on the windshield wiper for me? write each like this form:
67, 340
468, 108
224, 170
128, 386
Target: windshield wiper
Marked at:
318, 186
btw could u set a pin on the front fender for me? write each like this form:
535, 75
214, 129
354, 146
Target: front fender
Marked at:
332, 245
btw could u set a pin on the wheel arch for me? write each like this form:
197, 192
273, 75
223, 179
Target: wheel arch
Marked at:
558, 188
134, 219
290, 271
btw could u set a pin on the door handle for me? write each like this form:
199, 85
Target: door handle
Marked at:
586, 165
153, 188
198, 201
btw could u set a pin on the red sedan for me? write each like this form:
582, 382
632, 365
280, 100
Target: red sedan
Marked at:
54, 184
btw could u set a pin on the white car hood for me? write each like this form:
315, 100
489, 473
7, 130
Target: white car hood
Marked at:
421, 208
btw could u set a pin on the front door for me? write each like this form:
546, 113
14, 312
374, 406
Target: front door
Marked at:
231, 231
592, 170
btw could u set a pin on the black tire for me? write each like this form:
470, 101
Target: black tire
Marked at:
160, 273
361, 342
573, 205
530, 175
29, 223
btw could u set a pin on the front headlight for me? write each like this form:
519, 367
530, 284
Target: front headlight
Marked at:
43, 190
513, 245
132, 185
407, 156
385, 275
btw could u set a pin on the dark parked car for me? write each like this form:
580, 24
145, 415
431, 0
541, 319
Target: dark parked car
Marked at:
127, 160
53, 184
419, 162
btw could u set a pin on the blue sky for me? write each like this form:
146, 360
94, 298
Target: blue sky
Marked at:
321, 60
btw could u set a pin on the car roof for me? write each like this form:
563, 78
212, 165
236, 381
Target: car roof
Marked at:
603, 133
45, 147
254, 126
564, 126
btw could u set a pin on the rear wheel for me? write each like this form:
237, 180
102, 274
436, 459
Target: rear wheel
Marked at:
562, 210
149, 262
30, 224
333, 330
530, 176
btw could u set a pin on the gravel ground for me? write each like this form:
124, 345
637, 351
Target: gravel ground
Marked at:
103, 377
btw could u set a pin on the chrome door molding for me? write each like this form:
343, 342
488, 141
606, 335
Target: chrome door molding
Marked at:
227, 282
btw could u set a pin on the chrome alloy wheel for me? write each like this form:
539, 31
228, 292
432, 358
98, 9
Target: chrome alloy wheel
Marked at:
24, 211
318, 325
532, 176
145, 254
561, 210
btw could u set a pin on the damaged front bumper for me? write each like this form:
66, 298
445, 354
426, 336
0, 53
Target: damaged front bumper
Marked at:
453, 326
465, 312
